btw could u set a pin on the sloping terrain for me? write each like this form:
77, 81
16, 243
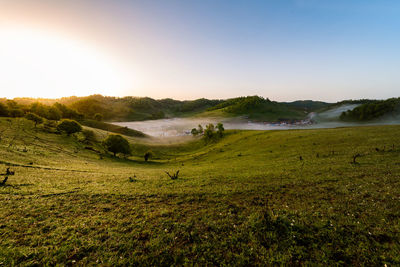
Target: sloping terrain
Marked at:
250, 198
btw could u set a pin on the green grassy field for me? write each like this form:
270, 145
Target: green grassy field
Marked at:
252, 198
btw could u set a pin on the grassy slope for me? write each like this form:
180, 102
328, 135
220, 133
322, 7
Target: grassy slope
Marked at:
245, 199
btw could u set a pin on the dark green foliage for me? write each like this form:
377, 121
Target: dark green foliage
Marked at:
69, 126
209, 132
15, 112
220, 129
54, 114
98, 117
112, 128
194, 132
91, 106
308, 105
256, 107
35, 118
373, 110
200, 129
117, 144
3, 110
148, 155
198, 104
39, 109
197, 131
68, 113
49, 112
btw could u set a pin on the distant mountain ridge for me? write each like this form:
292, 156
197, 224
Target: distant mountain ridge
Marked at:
252, 107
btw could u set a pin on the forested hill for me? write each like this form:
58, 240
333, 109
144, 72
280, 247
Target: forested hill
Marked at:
257, 108
374, 110
121, 109
145, 108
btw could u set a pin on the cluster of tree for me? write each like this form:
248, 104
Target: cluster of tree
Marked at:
372, 110
308, 105
210, 132
145, 108
56, 111
259, 108
198, 104
125, 108
10, 108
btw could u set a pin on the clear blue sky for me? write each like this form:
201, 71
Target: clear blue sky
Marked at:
284, 50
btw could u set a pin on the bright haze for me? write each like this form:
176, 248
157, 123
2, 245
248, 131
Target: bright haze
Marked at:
284, 50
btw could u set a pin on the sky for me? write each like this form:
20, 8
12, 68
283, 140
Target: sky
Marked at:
186, 49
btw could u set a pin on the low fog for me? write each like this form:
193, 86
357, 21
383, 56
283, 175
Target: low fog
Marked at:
174, 127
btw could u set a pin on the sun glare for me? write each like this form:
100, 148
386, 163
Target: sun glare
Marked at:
39, 64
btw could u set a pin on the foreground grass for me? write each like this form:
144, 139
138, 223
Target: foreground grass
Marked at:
248, 199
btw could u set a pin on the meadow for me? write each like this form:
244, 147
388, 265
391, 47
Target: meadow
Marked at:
250, 198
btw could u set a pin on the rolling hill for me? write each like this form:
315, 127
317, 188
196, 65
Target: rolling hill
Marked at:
251, 198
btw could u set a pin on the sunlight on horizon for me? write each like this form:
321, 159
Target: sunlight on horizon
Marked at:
40, 64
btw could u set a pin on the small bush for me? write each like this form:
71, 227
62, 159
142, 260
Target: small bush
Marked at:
117, 144
194, 132
69, 126
148, 155
98, 117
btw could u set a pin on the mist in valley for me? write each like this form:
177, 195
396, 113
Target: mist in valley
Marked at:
175, 127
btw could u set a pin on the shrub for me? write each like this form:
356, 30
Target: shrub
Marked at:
194, 132
117, 144
98, 117
16, 112
148, 155
69, 126
35, 118
221, 129
3, 110
200, 129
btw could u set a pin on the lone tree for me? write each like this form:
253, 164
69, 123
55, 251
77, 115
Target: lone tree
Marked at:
209, 131
220, 129
148, 155
35, 118
69, 126
117, 144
